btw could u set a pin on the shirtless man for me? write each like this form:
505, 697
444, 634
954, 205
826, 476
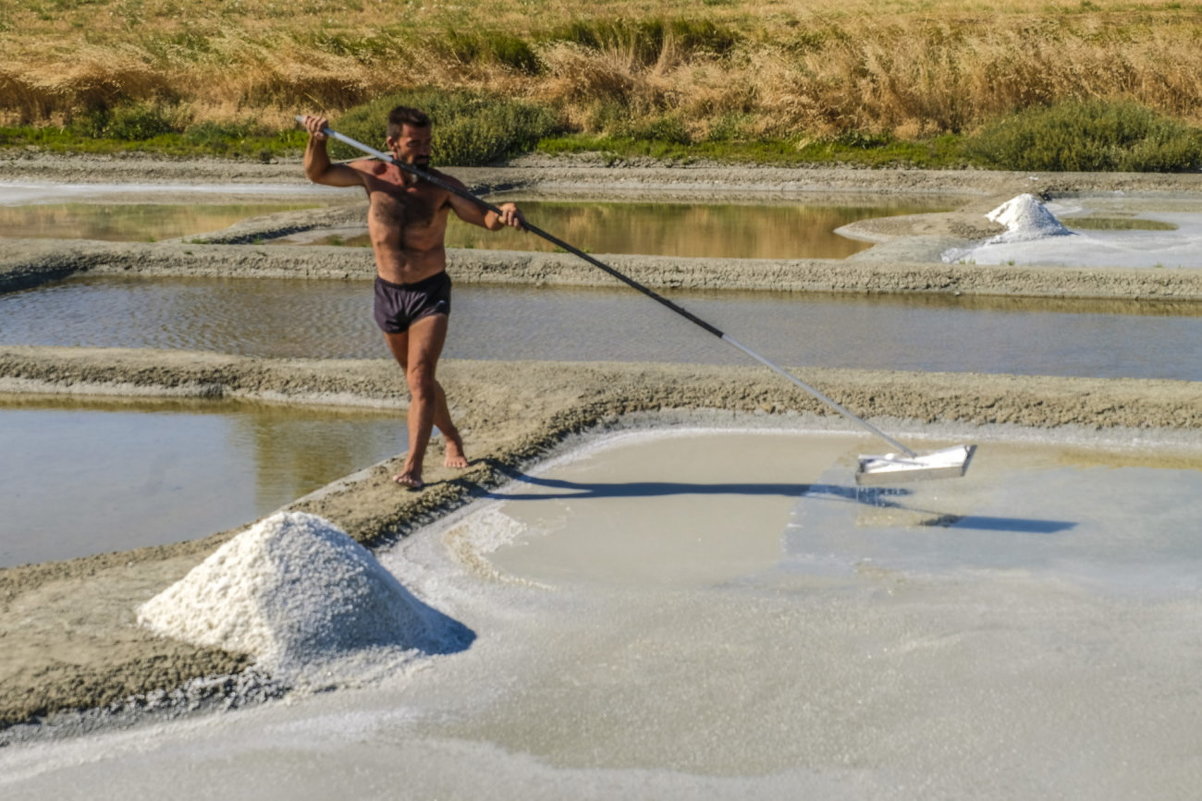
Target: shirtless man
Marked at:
407, 223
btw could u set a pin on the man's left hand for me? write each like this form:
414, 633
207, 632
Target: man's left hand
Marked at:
511, 216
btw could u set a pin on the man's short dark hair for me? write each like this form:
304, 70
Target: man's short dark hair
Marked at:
406, 115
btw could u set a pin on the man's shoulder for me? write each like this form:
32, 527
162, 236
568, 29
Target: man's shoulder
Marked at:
369, 166
450, 179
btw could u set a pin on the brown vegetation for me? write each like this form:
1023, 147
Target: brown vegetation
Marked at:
791, 68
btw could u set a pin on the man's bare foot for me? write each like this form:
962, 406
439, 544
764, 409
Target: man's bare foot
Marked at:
455, 456
409, 479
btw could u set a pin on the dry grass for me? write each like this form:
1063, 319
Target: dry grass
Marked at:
916, 77
795, 69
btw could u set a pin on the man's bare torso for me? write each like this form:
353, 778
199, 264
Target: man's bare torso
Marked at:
406, 222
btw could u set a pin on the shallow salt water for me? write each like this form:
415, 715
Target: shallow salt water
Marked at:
259, 318
21, 193
766, 230
803, 227
722, 615
130, 222
146, 212
84, 477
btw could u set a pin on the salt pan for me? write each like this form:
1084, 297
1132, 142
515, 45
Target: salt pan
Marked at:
291, 591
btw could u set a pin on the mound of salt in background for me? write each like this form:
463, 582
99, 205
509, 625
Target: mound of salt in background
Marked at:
296, 593
1026, 219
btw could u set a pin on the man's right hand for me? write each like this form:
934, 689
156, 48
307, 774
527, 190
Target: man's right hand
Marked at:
316, 127
318, 167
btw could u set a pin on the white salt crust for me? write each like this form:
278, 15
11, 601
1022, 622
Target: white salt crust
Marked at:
294, 592
1026, 219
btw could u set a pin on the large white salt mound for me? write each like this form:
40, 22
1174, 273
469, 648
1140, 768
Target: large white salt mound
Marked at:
291, 590
1026, 219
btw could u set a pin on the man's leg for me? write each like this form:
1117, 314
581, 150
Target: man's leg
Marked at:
453, 453
417, 351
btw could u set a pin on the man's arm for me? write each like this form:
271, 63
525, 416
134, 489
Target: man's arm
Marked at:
474, 213
318, 167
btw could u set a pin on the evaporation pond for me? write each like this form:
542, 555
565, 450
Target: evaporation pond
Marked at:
646, 507
130, 222
794, 230
332, 319
730, 604
720, 614
85, 477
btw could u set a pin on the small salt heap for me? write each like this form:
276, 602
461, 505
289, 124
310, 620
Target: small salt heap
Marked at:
292, 591
1026, 219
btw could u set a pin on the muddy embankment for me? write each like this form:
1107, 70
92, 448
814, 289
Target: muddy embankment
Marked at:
67, 630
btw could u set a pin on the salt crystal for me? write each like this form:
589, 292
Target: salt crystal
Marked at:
290, 591
1026, 219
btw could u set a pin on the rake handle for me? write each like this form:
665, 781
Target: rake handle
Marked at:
463, 193
484, 204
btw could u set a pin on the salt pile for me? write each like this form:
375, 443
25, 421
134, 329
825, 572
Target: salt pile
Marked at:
1026, 219
293, 591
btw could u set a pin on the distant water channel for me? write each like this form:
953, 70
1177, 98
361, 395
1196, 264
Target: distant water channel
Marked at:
799, 228
728, 230
85, 477
130, 222
331, 319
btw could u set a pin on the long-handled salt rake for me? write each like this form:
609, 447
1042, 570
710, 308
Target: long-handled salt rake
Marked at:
894, 468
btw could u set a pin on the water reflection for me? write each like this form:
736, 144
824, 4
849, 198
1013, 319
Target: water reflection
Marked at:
682, 229
1117, 224
88, 476
331, 319
129, 222
246, 316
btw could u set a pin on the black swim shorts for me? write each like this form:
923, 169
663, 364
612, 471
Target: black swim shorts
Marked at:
399, 305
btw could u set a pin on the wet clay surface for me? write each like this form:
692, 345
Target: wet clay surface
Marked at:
66, 628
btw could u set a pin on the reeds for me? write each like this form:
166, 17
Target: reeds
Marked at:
472, 128
721, 70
